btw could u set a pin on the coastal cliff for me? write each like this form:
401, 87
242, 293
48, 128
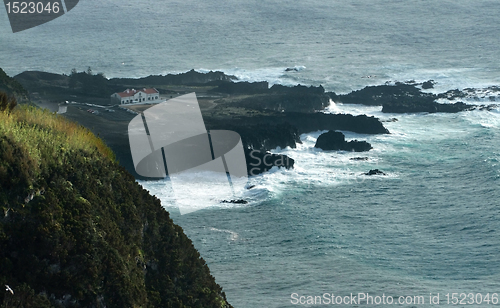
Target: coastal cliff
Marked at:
76, 230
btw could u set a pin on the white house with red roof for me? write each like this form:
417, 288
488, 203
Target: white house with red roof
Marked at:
142, 96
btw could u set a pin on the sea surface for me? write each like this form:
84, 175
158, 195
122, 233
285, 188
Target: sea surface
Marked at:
431, 225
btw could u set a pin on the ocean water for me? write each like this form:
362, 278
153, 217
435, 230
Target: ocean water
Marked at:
336, 43
431, 225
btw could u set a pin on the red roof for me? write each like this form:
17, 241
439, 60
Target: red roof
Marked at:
132, 92
150, 91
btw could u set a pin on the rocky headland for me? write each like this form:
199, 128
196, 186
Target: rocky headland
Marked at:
265, 117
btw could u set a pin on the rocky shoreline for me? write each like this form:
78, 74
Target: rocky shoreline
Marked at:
265, 117
409, 97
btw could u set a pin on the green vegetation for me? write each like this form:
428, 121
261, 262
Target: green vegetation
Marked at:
7, 103
12, 87
87, 83
76, 230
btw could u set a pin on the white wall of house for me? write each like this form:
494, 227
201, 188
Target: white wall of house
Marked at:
118, 99
139, 97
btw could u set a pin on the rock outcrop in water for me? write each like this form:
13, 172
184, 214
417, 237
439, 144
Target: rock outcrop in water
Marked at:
260, 161
491, 94
335, 141
408, 98
375, 172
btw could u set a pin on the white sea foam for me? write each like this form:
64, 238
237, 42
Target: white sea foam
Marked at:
317, 168
354, 109
233, 236
196, 192
486, 119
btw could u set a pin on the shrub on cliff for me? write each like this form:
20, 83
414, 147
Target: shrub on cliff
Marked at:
7, 103
12, 87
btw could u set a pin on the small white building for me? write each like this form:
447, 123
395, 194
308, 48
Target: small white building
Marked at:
142, 96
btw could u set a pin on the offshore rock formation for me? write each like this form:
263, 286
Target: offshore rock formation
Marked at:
335, 141
375, 172
259, 161
408, 98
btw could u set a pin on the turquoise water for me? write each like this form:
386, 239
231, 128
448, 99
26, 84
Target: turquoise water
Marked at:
431, 225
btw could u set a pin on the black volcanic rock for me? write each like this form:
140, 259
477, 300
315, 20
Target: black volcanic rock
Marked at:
87, 84
235, 201
298, 89
375, 172
62, 87
191, 77
257, 132
303, 122
278, 98
359, 158
378, 95
411, 106
259, 161
490, 93
243, 87
335, 141
428, 84
361, 124
405, 98
283, 102
264, 136
274, 118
